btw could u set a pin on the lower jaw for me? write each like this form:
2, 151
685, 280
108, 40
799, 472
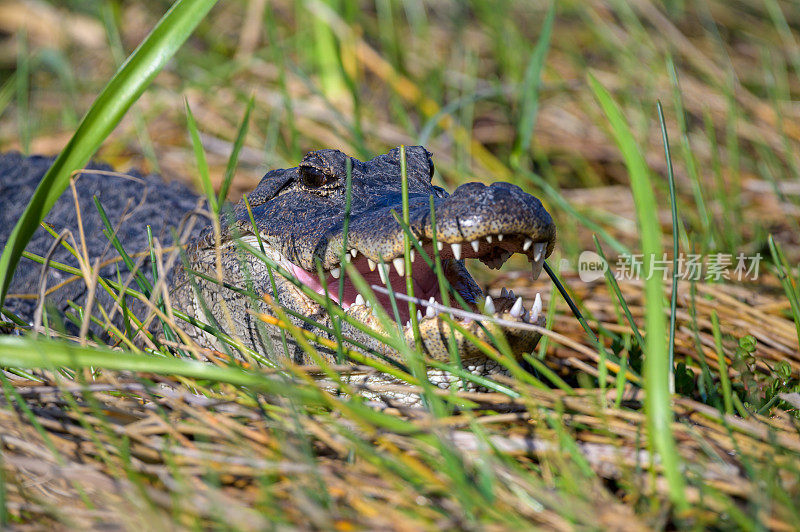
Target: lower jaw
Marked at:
436, 334
484, 334
388, 390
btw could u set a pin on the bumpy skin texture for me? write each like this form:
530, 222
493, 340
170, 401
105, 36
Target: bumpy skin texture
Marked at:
304, 222
148, 201
299, 214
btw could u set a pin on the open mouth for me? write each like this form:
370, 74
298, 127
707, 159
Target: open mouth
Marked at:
493, 250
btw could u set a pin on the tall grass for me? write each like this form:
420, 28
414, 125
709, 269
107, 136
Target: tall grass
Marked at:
585, 433
657, 366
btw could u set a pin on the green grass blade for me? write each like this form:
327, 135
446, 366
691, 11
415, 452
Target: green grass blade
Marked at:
689, 157
111, 235
233, 160
343, 256
673, 302
202, 164
7, 91
108, 109
618, 293
723, 366
572, 306
111, 17
412, 307
48, 354
784, 272
269, 268
656, 365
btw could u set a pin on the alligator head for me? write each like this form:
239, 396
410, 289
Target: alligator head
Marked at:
299, 215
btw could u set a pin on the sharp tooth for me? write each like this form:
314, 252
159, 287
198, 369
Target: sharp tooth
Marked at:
439, 245
536, 308
516, 310
382, 272
456, 250
488, 306
354, 252
527, 244
408, 324
430, 312
536, 268
399, 265
371, 265
359, 299
504, 292
500, 237
348, 258
538, 250
336, 272
475, 245
511, 294
419, 314
489, 238
368, 304
413, 256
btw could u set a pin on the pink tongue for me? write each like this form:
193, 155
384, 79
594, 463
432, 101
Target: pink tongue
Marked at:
311, 281
425, 285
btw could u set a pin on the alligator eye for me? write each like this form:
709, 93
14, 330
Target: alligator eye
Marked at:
312, 177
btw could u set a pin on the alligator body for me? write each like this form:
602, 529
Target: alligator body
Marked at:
131, 201
299, 216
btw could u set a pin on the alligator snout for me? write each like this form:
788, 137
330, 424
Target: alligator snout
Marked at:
496, 221
475, 211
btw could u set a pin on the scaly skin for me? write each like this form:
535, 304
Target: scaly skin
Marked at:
299, 214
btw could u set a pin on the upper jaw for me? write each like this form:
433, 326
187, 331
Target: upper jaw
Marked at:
489, 223
492, 249
476, 221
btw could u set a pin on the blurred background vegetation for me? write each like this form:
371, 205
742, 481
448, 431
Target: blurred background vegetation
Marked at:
496, 90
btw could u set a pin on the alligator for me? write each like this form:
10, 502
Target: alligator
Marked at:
331, 207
